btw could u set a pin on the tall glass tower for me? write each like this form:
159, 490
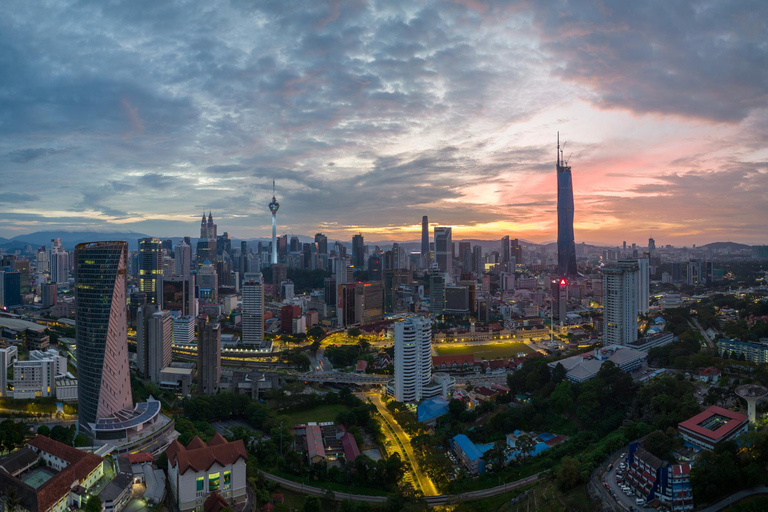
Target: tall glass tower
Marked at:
151, 270
273, 207
566, 246
104, 385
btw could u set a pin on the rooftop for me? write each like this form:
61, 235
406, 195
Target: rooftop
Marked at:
715, 423
200, 456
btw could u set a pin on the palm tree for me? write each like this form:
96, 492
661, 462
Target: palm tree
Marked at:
12, 500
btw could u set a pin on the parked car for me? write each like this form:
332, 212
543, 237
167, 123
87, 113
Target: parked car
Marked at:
639, 501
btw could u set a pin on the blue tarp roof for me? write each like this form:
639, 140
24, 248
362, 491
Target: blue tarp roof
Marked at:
432, 408
546, 436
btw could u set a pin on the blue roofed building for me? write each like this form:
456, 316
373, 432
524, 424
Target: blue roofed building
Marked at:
470, 454
429, 410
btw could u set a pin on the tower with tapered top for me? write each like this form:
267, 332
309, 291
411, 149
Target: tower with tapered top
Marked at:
273, 207
566, 245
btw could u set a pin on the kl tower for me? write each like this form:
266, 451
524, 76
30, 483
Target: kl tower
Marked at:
273, 207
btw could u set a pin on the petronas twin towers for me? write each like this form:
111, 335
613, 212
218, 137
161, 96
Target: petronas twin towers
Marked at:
566, 245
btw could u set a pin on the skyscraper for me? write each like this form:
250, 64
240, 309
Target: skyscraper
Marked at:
620, 303
516, 251
208, 356
358, 252
322, 243
183, 259
436, 291
425, 263
413, 358
253, 310
10, 288
151, 270
154, 337
504, 249
273, 207
104, 386
59, 263
566, 245
444, 251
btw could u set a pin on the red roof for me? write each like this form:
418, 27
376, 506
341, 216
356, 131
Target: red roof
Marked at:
361, 365
735, 420
200, 457
681, 469
461, 360
81, 464
315, 442
215, 502
351, 451
709, 372
139, 458
482, 390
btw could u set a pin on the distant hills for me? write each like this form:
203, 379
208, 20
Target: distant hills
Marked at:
731, 246
69, 239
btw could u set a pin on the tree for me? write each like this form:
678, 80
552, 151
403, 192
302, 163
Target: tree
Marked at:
562, 396
456, 407
12, 499
81, 440
43, 430
568, 474
558, 373
316, 331
311, 504
93, 504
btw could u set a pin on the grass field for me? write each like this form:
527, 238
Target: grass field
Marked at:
486, 351
316, 414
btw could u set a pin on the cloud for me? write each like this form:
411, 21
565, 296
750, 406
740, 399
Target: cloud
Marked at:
16, 197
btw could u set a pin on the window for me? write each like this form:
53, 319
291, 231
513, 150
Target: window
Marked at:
200, 483
227, 479
213, 482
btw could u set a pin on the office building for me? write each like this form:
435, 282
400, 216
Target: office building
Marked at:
59, 261
209, 476
104, 385
208, 356
358, 252
444, 251
10, 289
504, 253
253, 310
369, 302
34, 378
322, 243
516, 251
279, 274
154, 337
478, 266
620, 294
457, 300
643, 285
694, 275
184, 330
48, 294
207, 283
183, 259
151, 270
436, 291
566, 245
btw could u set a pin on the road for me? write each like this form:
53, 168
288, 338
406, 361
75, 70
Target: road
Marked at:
710, 342
733, 498
424, 482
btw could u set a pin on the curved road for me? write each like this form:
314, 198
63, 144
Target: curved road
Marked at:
433, 501
425, 483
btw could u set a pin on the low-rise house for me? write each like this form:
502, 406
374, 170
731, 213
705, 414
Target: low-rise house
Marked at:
709, 375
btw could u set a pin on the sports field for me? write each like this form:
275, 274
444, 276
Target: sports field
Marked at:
485, 351
38, 477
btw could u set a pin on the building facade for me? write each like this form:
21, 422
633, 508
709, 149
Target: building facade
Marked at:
208, 356
620, 303
151, 270
253, 310
566, 245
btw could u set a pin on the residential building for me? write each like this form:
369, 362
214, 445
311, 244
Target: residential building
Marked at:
154, 337
747, 350
436, 291
48, 295
199, 470
469, 454
184, 330
620, 303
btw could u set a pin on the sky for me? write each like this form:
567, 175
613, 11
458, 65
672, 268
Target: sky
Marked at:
139, 115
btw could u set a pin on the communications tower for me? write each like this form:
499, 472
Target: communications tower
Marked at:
273, 207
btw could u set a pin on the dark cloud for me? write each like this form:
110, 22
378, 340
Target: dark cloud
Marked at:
22, 156
16, 197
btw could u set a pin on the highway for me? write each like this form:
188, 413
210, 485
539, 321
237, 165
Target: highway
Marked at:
424, 482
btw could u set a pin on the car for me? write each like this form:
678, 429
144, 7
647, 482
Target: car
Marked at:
610, 467
639, 501
622, 455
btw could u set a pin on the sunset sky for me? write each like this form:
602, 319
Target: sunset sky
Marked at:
139, 115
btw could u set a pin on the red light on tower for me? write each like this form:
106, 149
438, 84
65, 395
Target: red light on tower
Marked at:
563, 282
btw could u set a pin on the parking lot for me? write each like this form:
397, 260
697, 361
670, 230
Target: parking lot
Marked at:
611, 480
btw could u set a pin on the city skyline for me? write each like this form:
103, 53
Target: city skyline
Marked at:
372, 116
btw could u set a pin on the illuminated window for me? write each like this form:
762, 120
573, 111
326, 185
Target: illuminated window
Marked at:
200, 483
213, 482
227, 479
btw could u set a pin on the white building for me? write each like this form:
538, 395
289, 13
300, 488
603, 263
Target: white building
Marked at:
184, 330
620, 303
33, 379
66, 389
198, 470
253, 309
413, 363
7, 356
60, 361
643, 286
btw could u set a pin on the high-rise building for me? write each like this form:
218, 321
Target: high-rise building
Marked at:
273, 207
425, 263
694, 275
10, 288
477, 260
206, 245
369, 302
444, 251
322, 243
253, 310
208, 356
358, 252
48, 295
22, 267
59, 263
620, 303
279, 274
151, 270
504, 253
104, 385
183, 259
436, 291
207, 282
413, 358
154, 337
566, 245
516, 251
183, 330
643, 285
